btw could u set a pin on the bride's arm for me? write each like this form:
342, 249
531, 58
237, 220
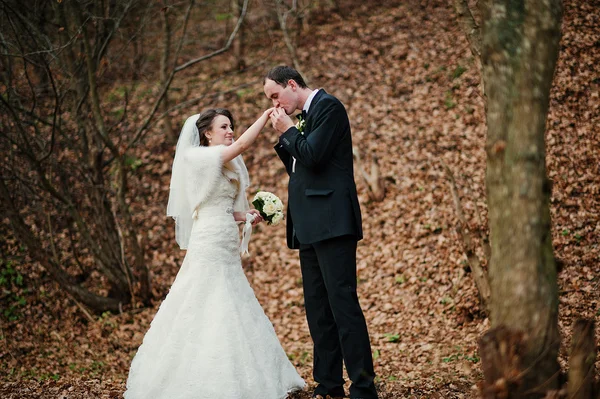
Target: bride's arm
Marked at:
246, 139
241, 216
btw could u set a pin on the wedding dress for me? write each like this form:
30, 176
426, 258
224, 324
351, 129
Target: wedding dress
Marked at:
210, 338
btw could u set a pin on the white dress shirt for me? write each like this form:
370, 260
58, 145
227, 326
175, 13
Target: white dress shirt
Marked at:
309, 100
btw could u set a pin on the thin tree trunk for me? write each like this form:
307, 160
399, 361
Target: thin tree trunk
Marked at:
238, 42
282, 18
519, 53
164, 74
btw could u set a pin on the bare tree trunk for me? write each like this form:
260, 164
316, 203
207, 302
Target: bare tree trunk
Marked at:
581, 361
519, 53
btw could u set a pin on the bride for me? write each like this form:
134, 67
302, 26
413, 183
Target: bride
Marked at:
210, 337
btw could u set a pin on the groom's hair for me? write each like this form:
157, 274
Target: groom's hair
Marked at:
282, 74
205, 121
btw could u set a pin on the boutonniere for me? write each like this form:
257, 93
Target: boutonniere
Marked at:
300, 125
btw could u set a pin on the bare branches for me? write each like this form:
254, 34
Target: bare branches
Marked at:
224, 48
33, 31
196, 100
139, 133
69, 176
59, 129
39, 254
102, 49
143, 128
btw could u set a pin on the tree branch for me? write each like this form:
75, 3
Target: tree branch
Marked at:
479, 275
472, 32
282, 17
224, 48
469, 26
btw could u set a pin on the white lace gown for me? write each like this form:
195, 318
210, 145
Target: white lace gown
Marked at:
210, 338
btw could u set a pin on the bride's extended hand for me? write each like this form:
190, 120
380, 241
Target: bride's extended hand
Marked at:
268, 112
280, 120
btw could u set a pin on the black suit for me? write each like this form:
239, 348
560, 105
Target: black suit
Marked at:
324, 222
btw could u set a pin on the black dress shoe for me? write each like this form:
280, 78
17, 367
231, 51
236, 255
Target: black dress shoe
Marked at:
335, 393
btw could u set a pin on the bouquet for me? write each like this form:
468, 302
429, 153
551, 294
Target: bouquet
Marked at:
269, 206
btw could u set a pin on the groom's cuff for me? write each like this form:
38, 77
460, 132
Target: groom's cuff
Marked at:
288, 137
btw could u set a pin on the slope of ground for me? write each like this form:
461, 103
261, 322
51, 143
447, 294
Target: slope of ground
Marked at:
409, 83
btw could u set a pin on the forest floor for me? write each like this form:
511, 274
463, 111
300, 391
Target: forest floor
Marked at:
410, 84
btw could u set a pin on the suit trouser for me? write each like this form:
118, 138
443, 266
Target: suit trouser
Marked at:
335, 319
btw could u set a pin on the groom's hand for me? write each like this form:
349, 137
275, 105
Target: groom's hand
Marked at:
280, 120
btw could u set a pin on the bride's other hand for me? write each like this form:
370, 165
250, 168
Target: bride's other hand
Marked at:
257, 217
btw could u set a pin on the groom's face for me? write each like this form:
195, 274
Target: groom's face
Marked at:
282, 97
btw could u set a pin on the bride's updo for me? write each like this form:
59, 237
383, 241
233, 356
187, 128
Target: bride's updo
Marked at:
205, 121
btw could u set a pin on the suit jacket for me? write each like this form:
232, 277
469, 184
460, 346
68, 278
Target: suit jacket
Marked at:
322, 198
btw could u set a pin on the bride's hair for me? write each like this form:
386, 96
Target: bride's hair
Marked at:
205, 121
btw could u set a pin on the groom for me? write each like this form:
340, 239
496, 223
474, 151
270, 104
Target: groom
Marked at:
324, 223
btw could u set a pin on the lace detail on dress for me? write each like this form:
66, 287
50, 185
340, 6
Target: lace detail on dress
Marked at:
210, 338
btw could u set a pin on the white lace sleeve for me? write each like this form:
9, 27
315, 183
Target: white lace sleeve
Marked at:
204, 168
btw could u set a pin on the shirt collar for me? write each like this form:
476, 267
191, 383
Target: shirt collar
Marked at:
309, 100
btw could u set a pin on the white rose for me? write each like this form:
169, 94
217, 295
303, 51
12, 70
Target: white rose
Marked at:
269, 208
259, 195
278, 217
279, 204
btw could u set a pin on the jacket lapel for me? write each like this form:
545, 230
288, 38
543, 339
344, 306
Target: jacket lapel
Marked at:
313, 104
311, 110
